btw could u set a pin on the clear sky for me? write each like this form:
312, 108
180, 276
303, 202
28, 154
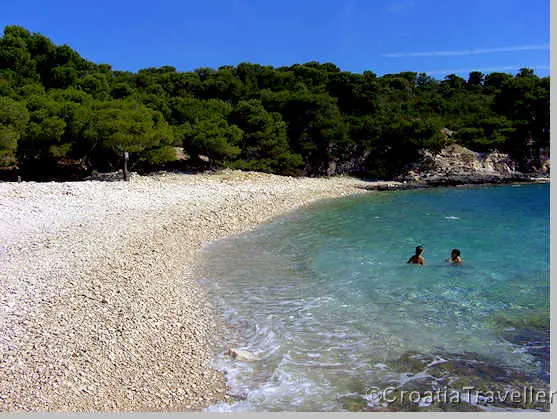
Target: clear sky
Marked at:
388, 36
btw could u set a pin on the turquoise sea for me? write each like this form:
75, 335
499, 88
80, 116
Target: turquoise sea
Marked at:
324, 299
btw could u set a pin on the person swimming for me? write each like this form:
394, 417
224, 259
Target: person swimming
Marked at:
455, 257
417, 259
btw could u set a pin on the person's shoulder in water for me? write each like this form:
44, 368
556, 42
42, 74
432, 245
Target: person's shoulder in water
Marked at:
417, 258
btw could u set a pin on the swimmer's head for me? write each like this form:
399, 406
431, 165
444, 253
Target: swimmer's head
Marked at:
455, 252
419, 250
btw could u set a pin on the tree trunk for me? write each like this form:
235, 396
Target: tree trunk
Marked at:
125, 168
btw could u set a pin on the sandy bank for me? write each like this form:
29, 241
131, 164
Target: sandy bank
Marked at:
99, 310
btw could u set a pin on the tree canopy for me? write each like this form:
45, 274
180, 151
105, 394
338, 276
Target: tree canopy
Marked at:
58, 108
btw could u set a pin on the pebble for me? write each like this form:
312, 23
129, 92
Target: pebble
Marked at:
154, 330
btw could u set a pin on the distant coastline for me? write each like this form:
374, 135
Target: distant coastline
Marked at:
460, 180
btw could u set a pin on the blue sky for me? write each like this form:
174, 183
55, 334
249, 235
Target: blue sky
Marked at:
434, 36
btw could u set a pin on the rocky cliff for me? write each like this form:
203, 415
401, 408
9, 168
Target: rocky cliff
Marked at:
458, 164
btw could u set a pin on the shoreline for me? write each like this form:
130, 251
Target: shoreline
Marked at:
100, 310
460, 181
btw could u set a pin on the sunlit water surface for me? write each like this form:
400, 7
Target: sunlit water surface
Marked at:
324, 299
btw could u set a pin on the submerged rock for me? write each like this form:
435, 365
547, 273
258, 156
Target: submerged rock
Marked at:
531, 334
354, 403
536, 343
455, 382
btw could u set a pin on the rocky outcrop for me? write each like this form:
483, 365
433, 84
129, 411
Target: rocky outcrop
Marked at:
458, 160
456, 164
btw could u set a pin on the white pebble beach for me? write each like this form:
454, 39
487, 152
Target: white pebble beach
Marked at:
99, 307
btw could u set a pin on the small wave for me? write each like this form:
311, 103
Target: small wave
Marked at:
220, 407
452, 217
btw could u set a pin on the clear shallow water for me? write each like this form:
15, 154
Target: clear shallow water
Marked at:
324, 299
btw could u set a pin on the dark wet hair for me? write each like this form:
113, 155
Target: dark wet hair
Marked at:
456, 252
419, 249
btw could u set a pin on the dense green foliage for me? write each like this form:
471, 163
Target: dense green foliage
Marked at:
58, 109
